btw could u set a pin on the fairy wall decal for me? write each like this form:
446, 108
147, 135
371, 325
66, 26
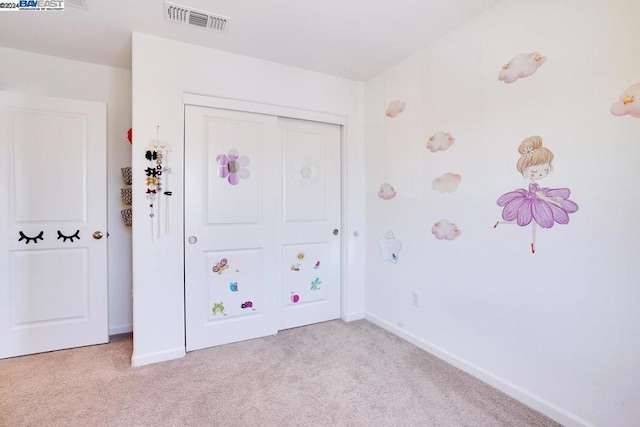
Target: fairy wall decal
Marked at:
545, 206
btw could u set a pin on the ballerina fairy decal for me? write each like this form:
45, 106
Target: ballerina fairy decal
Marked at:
545, 206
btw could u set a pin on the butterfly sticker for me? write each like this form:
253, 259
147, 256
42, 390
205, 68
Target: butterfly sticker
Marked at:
221, 266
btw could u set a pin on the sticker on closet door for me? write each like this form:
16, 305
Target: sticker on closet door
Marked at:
303, 281
305, 188
232, 185
305, 174
234, 280
233, 166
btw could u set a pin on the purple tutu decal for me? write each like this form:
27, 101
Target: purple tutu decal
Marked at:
522, 206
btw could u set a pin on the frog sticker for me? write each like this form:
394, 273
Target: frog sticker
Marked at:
218, 309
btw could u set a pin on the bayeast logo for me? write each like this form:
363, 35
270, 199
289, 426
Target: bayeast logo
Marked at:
41, 5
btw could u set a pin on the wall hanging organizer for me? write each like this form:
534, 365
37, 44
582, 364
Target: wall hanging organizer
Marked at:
125, 193
157, 191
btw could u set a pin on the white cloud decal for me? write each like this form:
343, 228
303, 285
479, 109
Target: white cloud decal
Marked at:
386, 192
440, 141
628, 103
445, 230
522, 65
395, 108
447, 183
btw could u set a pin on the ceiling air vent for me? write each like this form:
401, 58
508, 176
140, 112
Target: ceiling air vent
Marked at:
197, 18
80, 4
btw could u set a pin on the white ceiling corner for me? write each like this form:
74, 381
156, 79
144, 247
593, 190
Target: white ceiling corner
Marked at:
355, 39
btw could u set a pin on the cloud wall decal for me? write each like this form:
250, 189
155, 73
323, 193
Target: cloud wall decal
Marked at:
520, 66
628, 103
447, 183
440, 141
395, 108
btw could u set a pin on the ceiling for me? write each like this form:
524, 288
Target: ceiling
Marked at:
355, 39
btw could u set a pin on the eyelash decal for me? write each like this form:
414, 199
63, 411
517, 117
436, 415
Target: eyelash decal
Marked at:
30, 239
64, 238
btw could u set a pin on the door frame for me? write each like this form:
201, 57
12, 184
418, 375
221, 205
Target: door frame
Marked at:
198, 100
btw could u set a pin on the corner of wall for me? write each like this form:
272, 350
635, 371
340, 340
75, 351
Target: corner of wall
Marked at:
157, 357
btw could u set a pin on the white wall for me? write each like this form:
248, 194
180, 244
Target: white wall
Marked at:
34, 73
162, 71
558, 329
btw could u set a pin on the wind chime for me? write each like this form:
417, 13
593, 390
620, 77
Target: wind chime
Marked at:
157, 173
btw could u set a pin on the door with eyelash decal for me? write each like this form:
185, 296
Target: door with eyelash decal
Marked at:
64, 238
28, 239
53, 215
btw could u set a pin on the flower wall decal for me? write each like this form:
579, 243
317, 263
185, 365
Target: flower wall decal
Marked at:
305, 174
232, 166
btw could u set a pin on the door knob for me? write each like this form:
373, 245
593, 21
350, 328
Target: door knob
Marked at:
193, 240
335, 231
97, 235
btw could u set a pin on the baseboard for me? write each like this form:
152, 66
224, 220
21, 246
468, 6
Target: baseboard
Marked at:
122, 329
161, 356
350, 317
554, 412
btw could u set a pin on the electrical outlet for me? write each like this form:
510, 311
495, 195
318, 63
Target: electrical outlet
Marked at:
415, 298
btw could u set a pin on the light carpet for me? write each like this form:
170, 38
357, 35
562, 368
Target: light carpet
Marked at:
328, 374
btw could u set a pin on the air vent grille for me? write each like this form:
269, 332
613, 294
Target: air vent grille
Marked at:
197, 18
80, 4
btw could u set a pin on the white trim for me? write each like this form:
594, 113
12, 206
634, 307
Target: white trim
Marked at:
256, 107
344, 242
160, 356
350, 317
560, 415
122, 329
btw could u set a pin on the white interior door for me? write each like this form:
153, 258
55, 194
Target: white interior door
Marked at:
310, 224
262, 198
231, 267
53, 272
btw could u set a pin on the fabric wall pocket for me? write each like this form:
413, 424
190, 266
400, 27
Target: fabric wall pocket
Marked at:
125, 195
126, 217
126, 175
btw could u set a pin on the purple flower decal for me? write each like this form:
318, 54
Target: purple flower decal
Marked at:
232, 166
